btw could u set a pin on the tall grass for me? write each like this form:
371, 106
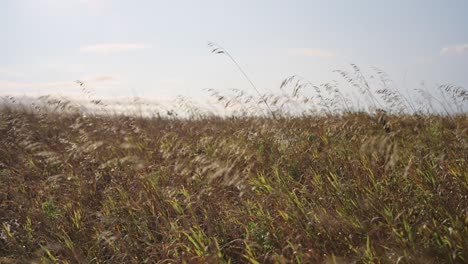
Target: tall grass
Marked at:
320, 177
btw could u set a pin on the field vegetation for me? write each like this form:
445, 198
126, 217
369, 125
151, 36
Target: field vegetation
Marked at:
333, 182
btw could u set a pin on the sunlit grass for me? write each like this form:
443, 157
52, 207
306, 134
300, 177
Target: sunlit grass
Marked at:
310, 175
336, 188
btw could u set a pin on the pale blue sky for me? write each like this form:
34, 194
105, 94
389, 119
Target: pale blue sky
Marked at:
159, 48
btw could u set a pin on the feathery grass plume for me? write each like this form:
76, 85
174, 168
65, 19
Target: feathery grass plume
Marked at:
217, 49
391, 94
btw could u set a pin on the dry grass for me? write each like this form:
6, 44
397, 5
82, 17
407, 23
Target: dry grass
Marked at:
337, 188
319, 177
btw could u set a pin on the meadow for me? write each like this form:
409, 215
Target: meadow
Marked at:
331, 183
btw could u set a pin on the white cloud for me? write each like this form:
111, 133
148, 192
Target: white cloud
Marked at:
112, 47
5, 72
101, 79
454, 49
319, 53
36, 85
170, 82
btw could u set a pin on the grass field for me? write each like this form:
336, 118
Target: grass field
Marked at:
339, 186
305, 189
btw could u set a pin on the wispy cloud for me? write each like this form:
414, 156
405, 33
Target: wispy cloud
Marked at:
171, 81
8, 73
101, 79
104, 80
112, 47
454, 49
36, 85
308, 52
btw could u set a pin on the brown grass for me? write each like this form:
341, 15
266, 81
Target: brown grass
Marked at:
335, 189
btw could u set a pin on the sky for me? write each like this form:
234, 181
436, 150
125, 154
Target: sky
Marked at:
158, 49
